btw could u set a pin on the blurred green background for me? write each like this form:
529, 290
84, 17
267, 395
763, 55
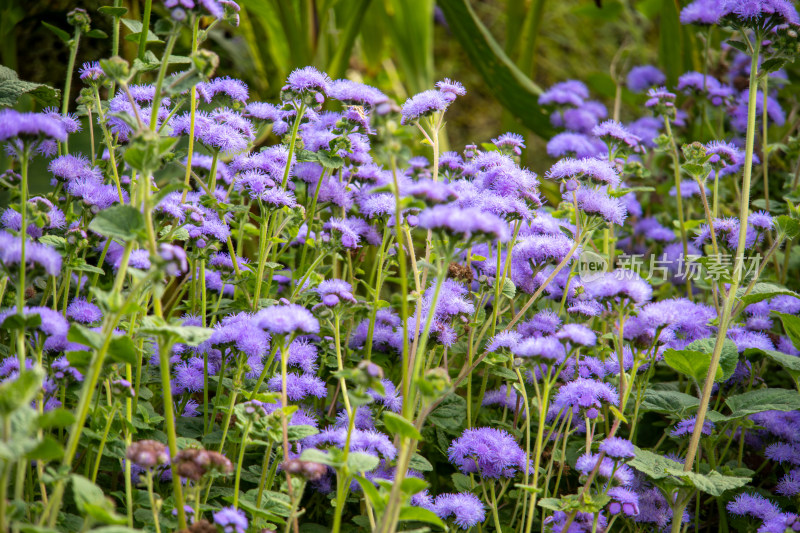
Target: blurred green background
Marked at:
503, 51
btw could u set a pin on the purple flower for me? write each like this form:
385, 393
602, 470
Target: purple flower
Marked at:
307, 80
333, 291
84, 312
175, 259
597, 202
775, 112
543, 323
504, 339
686, 427
423, 104
757, 12
231, 520
616, 135
299, 386
489, 452
653, 230
574, 145
623, 500
36, 254
285, 319
351, 230
233, 88
609, 469
704, 12
620, 284
570, 92
466, 509
361, 440
91, 72
585, 395
643, 77
450, 89
504, 397
617, 448
511, 141
546, 349
222, 129
660, 96
354, 93
577, 334
30, 126
725, 157
464, 222
597, 170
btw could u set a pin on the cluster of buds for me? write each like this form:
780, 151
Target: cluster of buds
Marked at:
194, 463
147, 454
307, 469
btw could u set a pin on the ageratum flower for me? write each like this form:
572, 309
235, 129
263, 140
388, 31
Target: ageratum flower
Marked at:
450, 89
367, 441
91, 72
775, 112
465, 223
306, 81
585, 396
233, 88
577, 334
83, 311
574, 145
231, 520
489, 452
504, 397
510, 141
644, 77
465, 508
351, 230
333, 291
354, 93
617, 448
623, 500
423, 104
53, 325
618, 285
222, 129
759, 12
299, 386
703, 12
660, 98
599, 171
570, 92
544, 349
37, 131
286, 319
269, 113
36, 254
609, 469
615, 134
686, 427
726, 157
599, 203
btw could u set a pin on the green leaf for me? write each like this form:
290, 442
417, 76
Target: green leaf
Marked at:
135, 26
356, 9
669, 402
122, 350
80, 265
301, 432
509, 290
508, 84
691, 363
760, 400
670, 47
11, 88
121, 222
56, 418
790, 363
64, 36
82, 335
712, 483
728, 358
398, 425
361, 462
419, 463
91, 500
450, 414
20, 391
317, 456
97, 34
791, 324
788, 225
190, 335
113, 11
420, 514
48, 449
413, 485
739, 45
763, 291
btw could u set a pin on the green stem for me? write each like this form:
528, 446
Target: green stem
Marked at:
239, 463
73, 53
192, 111
164, 351
103, 441
676, 166
148, 5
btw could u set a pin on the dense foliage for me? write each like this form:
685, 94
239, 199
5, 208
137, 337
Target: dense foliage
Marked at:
233, 315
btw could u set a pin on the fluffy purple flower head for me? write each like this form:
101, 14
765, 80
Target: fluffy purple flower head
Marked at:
450, 89
231, 520
617, 448
333, 291
175, 259
545, 349
598, 203
287, 319
623, 500
725, 157
307, 80
685, 427
465, 508
231, 87
599, 171
609, 469
758, 12
489, 452
620, 284
577, 334
299, 386
464, 222
30, 126
574, 145
703, 12
511, 141
504, 339
504, 397
354, 93
36, 254
643, 77
570, 92
423, 104
660, 96
615, 134
586, 396
84, 312
91, 72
